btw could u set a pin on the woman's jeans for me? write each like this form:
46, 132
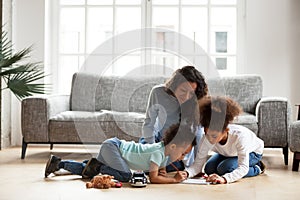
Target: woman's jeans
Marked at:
221, 165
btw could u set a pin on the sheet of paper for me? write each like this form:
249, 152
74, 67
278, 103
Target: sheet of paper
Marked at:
199, 181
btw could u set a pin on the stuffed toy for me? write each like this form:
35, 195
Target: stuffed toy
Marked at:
102, 182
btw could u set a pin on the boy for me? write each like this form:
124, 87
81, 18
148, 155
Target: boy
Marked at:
118, 157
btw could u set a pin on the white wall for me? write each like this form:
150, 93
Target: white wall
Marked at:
266, 44
28, 29
294, 52
271, 45
6, 95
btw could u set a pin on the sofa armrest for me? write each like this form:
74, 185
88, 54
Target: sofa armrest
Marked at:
294, 136
273, 118
36, 112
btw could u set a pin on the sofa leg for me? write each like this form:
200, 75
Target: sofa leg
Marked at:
285, 151
24, 147
51, 146
296, 161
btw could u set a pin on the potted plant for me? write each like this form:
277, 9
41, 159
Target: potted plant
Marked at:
18, 74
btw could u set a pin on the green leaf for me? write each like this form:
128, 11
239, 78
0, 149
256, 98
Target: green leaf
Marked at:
21, 69
15, 58
20, 78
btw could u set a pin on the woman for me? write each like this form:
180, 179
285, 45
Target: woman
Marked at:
174, 102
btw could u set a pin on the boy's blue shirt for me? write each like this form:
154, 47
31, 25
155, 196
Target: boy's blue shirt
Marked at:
139, 156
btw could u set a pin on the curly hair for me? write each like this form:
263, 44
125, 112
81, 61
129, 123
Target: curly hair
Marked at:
180, 134
217, 112
187, 74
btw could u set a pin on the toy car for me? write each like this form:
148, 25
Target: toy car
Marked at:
138, 179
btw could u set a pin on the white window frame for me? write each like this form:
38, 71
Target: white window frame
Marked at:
52, 40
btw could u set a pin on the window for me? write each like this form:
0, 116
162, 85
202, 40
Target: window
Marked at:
81, 26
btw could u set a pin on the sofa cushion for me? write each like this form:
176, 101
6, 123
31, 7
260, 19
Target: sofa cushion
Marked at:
95, 127
248, 120
123, 94
131, 93
86, 94
244, 89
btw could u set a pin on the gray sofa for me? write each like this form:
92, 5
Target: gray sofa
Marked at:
294, 143
100, 108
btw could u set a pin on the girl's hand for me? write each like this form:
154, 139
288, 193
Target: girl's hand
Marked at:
180, 176
215, 178
200, 174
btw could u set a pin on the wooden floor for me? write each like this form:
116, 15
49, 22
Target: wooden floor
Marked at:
24, 179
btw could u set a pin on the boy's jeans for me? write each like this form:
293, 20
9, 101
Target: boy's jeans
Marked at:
73, 166
113, 162
110, 156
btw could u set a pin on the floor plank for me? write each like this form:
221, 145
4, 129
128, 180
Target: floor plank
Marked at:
24, 179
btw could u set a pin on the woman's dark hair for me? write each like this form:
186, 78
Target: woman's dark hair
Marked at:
217, 112
180, 135
187, 74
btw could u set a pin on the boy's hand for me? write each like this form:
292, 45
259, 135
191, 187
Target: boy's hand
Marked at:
162, 172
180, 176
215, 178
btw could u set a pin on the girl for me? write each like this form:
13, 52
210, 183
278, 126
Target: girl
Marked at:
118, 157
238, 151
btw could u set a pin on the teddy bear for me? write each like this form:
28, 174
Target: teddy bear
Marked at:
101, 182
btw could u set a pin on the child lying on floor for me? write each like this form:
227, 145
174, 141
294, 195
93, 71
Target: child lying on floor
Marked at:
118, 157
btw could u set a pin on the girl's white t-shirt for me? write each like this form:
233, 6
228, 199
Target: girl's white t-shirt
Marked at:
241, 141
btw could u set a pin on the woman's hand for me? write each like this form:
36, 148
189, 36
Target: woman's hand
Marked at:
215, 178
